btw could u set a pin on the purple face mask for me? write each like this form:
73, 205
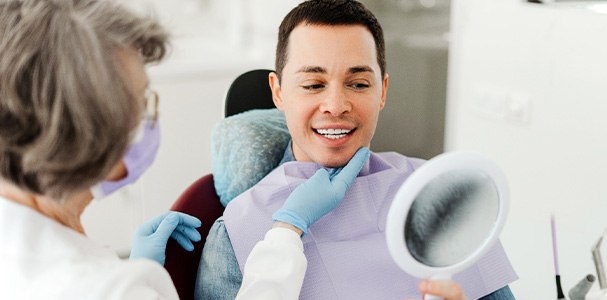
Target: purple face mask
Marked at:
138, 158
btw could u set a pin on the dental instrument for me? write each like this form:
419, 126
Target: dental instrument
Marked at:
579, 291
598, 263
555, 253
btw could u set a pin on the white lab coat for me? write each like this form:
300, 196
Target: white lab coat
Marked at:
42, 259
275, 267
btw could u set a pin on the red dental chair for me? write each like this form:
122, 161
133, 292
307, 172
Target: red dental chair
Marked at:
249, 91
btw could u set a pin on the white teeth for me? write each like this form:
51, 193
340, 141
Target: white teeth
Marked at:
334, 137
332, 131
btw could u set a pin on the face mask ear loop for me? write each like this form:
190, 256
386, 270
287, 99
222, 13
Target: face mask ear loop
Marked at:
138, 158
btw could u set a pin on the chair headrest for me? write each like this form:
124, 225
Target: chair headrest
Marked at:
245, 148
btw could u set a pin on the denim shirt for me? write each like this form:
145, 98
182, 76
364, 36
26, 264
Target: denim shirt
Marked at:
219, 275
288, 156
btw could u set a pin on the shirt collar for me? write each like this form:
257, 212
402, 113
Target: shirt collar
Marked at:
288, 155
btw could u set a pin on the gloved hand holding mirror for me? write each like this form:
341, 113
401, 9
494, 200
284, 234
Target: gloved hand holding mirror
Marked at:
447, 215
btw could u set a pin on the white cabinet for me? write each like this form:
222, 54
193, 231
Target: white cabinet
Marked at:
549, 60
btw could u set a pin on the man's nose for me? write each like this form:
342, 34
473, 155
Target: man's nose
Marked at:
336, 102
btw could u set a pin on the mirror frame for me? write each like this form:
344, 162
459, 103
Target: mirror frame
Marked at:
403, 199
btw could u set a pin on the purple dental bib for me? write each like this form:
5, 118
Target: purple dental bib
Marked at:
346, 250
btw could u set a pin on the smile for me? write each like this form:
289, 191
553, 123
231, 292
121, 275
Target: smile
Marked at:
333, 134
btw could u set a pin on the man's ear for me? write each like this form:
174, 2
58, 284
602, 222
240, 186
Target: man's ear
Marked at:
276, 93
384, 90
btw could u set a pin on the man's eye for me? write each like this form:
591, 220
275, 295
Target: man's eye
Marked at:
359, 86
313, 87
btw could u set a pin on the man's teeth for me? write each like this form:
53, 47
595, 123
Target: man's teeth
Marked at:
333, 133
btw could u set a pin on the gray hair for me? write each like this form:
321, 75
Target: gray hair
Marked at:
67, 109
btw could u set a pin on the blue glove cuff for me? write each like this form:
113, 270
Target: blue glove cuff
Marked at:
287, 216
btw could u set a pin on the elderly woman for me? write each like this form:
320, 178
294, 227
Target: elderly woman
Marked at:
72, 97
73, 100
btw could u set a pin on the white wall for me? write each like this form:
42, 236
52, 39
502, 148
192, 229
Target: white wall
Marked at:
527, 88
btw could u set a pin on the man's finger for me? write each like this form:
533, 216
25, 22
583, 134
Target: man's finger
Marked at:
442, 288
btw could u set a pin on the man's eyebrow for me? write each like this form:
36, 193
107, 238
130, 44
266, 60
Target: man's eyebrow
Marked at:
360, 69
312, 69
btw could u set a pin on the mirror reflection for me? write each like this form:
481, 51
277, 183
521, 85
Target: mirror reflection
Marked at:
451, 217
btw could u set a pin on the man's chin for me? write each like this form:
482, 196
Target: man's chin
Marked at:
327, 157
335, 161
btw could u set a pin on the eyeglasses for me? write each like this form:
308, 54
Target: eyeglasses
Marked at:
151, 106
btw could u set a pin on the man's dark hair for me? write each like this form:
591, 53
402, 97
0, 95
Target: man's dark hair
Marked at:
329, 12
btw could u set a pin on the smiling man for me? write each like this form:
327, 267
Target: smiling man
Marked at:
331, 89
331, 84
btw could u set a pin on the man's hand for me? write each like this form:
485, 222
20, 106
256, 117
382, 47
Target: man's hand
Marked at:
445, 289
151, 238
320, 194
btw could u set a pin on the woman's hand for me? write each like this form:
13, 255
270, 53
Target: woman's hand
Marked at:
150, 239
320, 194
446, 289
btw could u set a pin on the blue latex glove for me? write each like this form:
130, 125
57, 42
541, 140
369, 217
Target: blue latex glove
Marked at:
320, 194
151, 237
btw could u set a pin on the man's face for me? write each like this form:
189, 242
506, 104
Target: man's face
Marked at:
331, 92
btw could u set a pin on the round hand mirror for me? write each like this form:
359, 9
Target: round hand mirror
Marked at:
447, 215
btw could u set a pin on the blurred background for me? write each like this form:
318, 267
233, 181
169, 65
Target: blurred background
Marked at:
519, 82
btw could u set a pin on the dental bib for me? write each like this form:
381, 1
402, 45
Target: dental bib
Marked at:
346, 249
